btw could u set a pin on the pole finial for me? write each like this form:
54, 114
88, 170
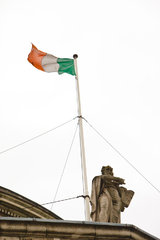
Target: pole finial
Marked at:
75, 56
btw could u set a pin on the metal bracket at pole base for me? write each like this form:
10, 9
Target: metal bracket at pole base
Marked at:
84, 196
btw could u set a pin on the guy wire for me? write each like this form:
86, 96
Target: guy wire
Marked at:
65, 164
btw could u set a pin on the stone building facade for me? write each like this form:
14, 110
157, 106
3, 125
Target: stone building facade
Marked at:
23, 219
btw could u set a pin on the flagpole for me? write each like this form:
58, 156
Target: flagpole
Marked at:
81, 136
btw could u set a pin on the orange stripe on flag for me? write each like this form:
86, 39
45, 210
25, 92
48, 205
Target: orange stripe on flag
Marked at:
35, 57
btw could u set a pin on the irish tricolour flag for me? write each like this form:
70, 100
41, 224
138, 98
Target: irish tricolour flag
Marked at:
49, 63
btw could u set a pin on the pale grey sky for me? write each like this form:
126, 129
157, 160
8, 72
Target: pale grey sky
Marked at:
119, 73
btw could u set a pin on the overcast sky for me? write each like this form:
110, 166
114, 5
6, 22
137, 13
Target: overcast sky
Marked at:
118, 44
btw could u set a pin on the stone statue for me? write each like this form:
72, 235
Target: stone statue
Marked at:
108, 198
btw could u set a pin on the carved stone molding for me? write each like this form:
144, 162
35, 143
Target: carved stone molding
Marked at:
15, 205
45, 229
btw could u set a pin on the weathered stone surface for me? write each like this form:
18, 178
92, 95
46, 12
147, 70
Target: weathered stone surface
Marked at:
44, 229
108, 198
15, 205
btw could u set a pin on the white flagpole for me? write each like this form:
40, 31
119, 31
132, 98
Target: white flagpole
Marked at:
81, 136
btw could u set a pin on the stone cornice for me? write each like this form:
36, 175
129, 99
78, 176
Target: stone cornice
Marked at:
53, 229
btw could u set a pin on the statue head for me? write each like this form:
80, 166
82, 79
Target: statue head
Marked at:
107, 170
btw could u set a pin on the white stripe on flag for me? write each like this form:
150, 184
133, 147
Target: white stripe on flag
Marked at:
49, 63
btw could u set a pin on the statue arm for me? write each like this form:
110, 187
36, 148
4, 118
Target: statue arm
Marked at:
111, 178
119, 180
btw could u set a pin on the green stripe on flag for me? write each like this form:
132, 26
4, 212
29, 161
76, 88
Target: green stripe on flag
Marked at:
66, 65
